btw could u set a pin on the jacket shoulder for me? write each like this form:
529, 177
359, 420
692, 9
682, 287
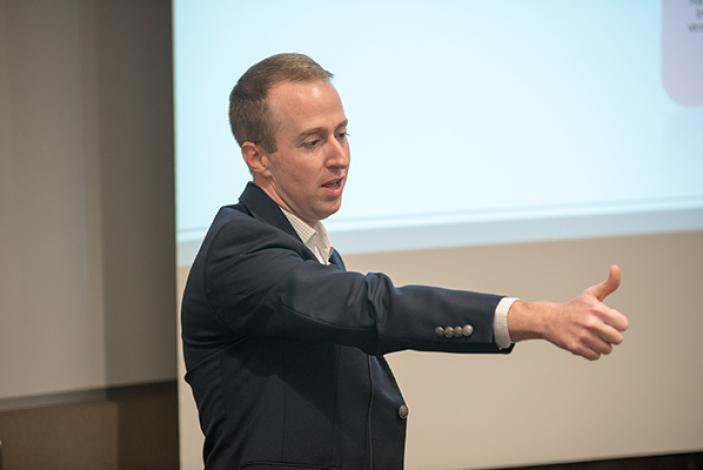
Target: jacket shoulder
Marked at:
234, 230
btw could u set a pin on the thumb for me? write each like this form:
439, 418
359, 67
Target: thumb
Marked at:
605, 288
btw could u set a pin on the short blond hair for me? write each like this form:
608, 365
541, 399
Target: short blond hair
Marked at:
249, 116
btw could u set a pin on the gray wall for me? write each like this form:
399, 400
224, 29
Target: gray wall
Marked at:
87, 289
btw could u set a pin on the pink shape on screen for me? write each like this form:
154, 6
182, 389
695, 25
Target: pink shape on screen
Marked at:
682, 50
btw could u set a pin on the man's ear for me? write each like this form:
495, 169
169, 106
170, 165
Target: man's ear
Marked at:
256, 159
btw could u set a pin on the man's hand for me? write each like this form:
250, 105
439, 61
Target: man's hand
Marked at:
584, 325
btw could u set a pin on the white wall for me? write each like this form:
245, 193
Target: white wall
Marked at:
86, 195
540, 404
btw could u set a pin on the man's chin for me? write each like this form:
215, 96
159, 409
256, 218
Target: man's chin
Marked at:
330, 210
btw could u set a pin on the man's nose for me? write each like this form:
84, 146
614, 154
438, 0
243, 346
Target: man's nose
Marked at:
338, 154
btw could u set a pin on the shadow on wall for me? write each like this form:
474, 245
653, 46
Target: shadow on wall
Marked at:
135, 427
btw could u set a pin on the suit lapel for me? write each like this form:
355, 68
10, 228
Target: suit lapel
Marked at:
263, 208
337, 260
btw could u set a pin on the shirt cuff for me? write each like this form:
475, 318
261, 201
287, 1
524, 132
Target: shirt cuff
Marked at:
500, 322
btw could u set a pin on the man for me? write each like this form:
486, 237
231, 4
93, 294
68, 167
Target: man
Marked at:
283, 347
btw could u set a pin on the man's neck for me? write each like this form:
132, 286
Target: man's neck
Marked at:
275, 197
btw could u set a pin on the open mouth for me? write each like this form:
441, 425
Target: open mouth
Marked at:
333, 184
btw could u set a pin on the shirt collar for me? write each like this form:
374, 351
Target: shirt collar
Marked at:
315, 238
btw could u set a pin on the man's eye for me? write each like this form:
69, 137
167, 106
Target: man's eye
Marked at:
312, 143
342, 135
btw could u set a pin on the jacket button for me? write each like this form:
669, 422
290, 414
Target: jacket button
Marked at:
467, 330
439, 331
403, 411
449, 332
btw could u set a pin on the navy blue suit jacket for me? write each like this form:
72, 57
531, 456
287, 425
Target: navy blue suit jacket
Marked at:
285, 355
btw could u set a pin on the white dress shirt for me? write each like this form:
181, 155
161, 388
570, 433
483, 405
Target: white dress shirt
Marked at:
318, 241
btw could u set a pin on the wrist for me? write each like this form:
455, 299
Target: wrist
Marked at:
528, 320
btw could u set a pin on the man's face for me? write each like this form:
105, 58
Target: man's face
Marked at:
307, 173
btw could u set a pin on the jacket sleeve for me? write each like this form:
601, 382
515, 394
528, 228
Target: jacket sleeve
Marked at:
260, 284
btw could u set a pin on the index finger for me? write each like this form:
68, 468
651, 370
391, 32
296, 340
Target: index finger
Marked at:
614, 318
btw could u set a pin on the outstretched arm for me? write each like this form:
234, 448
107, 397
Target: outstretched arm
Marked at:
585, 325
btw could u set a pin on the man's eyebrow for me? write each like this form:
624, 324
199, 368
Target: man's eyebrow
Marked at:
318, 130
308, 132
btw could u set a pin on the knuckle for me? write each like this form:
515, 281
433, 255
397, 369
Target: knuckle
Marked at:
597, 311
591, 322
